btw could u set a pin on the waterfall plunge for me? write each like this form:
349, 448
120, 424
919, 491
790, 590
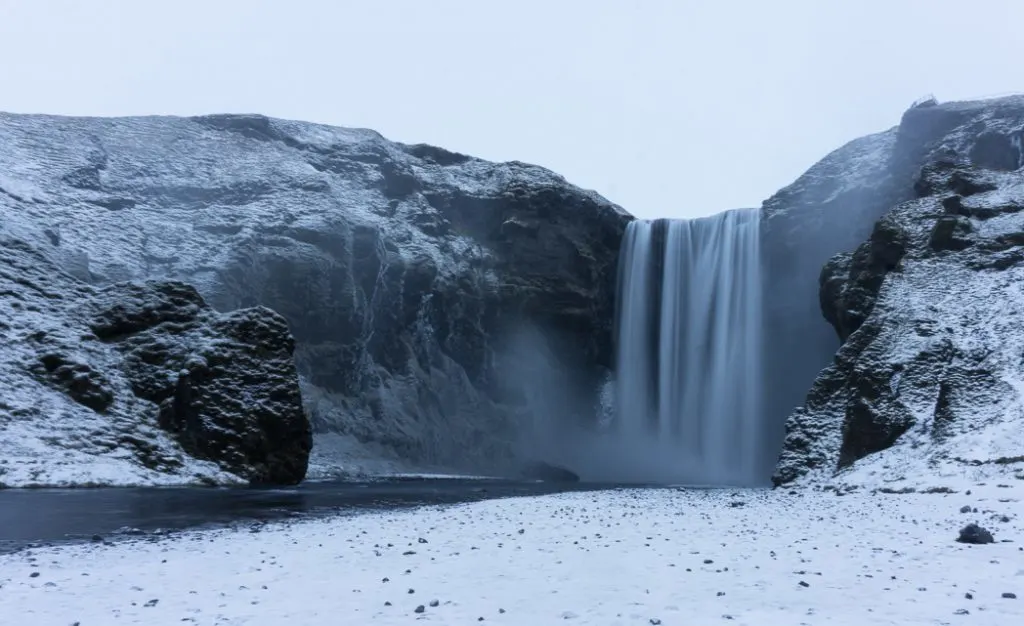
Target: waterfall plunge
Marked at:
688, 372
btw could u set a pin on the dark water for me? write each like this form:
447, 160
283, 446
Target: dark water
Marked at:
61, 515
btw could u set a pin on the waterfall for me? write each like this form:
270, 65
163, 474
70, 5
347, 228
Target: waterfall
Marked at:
688, 340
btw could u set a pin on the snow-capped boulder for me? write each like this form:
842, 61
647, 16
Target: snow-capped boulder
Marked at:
139, 383
409, 274
929, 380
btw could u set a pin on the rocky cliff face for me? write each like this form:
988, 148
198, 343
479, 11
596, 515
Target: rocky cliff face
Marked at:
424, 288
139, 383
927, 382
831, 209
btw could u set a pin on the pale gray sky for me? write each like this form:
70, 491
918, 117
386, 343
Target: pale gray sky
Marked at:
669, 107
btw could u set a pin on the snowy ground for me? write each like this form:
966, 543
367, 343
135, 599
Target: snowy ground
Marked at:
624, 557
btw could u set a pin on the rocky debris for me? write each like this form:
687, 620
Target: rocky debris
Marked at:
927, 313
972, 533
424, 288
140, 383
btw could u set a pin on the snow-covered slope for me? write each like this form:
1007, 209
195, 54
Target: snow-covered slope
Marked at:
409, 275
139, 383
929, 382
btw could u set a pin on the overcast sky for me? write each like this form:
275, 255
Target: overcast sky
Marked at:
671, 108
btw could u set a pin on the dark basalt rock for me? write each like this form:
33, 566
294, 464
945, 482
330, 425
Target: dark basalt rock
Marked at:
849, 283
226, 385
951, 232
90, 373
79, 380
927, 312
974, 534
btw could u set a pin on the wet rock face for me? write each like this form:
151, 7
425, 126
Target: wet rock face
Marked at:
140, 383
929, 311
406, 273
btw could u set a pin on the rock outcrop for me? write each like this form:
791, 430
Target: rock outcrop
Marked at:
139, 383
425, 289
831, 209
928, 381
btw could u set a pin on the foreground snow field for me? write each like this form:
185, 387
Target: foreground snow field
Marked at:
621, 557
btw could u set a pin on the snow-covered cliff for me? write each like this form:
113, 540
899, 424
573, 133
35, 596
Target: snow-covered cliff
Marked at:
929, 381
440, 304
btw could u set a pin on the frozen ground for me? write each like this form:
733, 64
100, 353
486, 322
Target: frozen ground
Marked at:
625, 557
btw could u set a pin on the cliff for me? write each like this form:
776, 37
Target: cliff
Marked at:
441, 305
926, 384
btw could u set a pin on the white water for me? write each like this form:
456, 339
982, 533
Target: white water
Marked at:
689, 350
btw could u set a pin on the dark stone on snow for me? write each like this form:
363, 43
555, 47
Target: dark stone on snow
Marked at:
974, 534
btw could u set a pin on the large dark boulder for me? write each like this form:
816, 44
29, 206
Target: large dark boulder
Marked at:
928, 310
225, 384
442, 306
140, 383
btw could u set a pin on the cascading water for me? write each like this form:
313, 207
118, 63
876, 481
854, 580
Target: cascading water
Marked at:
689, 332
